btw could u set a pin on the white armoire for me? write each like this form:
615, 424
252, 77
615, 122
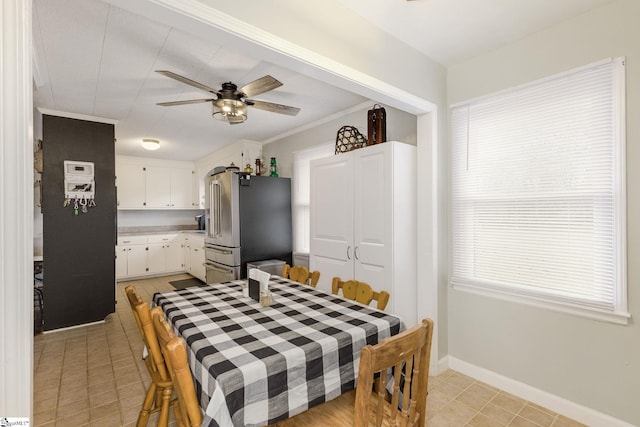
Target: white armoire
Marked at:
363, 221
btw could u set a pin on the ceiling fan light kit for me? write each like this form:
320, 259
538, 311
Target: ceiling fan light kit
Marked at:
231, 103
230, 110
150, 144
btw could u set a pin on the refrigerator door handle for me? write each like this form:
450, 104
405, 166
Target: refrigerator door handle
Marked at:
214, 196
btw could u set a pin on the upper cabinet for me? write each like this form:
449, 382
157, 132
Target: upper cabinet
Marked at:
155, 184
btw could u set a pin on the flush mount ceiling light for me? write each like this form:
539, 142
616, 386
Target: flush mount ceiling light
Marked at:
150, 144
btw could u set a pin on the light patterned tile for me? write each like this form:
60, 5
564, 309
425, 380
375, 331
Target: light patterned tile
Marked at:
453, 414
111, 409
518, 421
459, 380
538, 416
481, 420
497, 413
476, 396
562, 421
509, 402
70, 410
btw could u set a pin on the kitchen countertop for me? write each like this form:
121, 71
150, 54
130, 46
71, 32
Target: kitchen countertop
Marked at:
145, 231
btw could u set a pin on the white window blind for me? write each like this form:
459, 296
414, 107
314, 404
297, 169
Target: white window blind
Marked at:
301, 192
538, 196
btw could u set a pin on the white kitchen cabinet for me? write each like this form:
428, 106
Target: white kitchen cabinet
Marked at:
194, 256
363, 221
148, 255
198, 259
131, 257
121, 262
131, 179
165, 253
137, 261
170, 188
158, 187
156, 184
186, 254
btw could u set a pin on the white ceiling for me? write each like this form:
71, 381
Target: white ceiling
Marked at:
94, 59
449, 31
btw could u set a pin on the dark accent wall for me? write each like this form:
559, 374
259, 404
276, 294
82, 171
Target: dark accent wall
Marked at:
79, 250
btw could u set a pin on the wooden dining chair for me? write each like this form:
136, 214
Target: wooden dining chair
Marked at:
158, 396
314, 277
301, 274
361, 292
405, 359
174, 349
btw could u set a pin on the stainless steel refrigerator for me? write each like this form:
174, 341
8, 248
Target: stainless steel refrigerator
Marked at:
248, 218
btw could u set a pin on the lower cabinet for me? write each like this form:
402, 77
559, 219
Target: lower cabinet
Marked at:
194, 256
131, 257
139, 256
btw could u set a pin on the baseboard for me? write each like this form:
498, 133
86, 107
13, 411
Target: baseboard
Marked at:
558, 404
50, 331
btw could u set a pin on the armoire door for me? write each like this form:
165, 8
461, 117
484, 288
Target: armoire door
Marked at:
331, 241
372, 216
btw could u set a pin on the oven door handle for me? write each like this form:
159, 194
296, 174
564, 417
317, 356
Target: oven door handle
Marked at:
216, 268
220, 251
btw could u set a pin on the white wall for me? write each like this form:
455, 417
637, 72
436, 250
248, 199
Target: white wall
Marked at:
157, 218
592, 363
401, 126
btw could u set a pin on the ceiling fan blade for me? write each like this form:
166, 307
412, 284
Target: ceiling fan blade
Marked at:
261, 85
186, 80
274, 108
189, 101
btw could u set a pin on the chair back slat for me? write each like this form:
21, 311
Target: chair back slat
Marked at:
360, 291
301, 274
174, 349
142, 313
407, 354
159, 390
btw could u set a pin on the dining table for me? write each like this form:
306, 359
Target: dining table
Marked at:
254, 365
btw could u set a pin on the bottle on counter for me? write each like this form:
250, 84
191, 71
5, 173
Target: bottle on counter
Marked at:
258, 167
274, 167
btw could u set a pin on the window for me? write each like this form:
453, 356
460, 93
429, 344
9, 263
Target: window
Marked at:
538, 193
301, 188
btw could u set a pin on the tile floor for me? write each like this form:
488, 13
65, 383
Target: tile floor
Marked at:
93, 376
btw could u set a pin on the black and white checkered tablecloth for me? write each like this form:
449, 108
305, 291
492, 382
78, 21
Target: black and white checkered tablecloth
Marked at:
256, 365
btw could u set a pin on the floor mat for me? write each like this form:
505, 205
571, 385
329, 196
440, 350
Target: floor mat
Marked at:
186, 283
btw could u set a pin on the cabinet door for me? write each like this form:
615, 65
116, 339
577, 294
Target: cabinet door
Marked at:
182, 188
331, 240
186, 255
136, 260
156, 262
131, 185
372, 213
158, 187
174, 256
197, 262
121, 262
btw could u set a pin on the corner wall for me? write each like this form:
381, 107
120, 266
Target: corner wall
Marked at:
591, 363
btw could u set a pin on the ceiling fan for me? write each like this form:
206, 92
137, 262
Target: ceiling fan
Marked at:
230, 103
